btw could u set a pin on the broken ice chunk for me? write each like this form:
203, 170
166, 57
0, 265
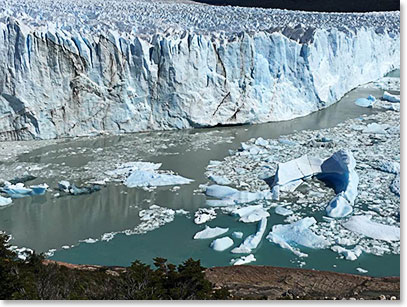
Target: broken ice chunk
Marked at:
229, 196
392, 167
219, 179
395, 185
297, 234
16, 190
339, 206
375, 128
4, 201
366, 102
221, 244
349, 254
364, 225
390, 97
237, 234
204, 215
251, 214
209, 233
243, 260
39, 189
296, 169
141, 178
360, 270
252, 241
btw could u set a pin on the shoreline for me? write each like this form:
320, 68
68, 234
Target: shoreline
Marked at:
275, 283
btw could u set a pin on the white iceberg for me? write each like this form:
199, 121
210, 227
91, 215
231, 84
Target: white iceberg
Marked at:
252, 241
219, 179
349, 254
230, 196
209, 233
251, 214
243, 260
299, 168
127, 168
141, 178
375, 128
291, 236
390, 97
221, 244
204, 215
366, 102
363, 224
4, 201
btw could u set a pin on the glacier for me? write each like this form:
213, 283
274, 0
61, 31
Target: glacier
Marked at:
84, 68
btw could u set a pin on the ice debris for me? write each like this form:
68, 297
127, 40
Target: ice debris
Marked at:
142, 178
375, 128
209, 232
391, 98
290, 236
243, 260
237, 234
18, 190
203, 215
230, 196
66, 187
280, 210
252, 241
360, 270
364, 225
349, 254
251, 214
221, 244
219, 179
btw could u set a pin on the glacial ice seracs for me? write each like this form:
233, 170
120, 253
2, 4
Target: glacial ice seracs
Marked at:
144, 69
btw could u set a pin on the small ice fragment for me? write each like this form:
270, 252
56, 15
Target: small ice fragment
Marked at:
89, 240
283, 211
237, 234
219, 179
252, 241
204, 215
243, 260
349, 254
390, 97
251, 214
4, 201
141, 178
221, 244
360, 270
366, 102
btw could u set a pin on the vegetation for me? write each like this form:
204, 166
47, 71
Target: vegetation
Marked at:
32, 279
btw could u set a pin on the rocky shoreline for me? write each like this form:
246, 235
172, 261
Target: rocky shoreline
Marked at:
276, 283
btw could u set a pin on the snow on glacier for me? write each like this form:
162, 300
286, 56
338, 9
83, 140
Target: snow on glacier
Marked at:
364, 225
136, 65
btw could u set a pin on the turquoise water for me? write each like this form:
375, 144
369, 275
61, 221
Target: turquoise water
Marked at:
46, 222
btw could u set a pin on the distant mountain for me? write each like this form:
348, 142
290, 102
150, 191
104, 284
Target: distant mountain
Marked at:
315, 5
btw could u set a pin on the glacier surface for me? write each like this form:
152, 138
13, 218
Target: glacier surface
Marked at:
72, 68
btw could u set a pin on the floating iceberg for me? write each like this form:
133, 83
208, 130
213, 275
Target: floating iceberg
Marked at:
221, 244
391, 98
364, 225
230, 196
296, 169
209, 233
339, 172
366, 102
290, 236
141, 178
237, 234
204, 215
4, 201
349, 254
18, 190
251, 214
252, 241
375, 128
125, 169
72, 189
280, 210
243, 260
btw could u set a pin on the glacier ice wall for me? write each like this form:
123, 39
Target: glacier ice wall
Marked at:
58, 81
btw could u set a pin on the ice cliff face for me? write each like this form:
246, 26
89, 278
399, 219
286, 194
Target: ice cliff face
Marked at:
61, 76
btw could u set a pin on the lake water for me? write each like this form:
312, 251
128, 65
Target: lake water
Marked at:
47, 222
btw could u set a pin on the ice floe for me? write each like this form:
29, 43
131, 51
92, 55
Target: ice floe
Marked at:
18, 190
366, 102
141, 178
364, 225
243, 260
280, 210
209, 232
349, 254
237, 234
5, 201
252, 241
251, 214
221, 244
291, 236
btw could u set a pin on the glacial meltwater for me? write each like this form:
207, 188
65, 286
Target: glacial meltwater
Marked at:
91, 228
